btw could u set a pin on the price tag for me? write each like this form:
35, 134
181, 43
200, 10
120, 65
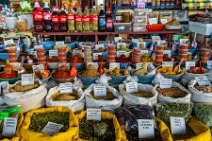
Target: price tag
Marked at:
67, 65
59, 43
119, 53
144, 52
95, 65
53, 53
34, 53
209, 64
27, 79
94, 114
184, 41
117, 39
98, 46
178, 125
52, 128
141, 45
99, 90
8, 42
161, 42
146, 128
202, 81
9, 127
96, 55
31, 51
4, 87
189, 64
38, 68
156, 38
139, 65
38, 46
167, 64
121, 45
77, 51
165, 83
66, 87
114, 65
131, 87
16, 64
153, 21
167, 52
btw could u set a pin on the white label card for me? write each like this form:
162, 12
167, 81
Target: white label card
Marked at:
117, 39
161, 42
59, 43
144, 52
167, 52
95, 65
119, 53
94, 114
189, 64
184, 41
77, 51
98, 46
38, 46
27, 79
146, 128
53, 53
209, 64
178, 125
16, 64
5, 87
96, 55
202, 81
139, 65
52, 128
131, 87
8, 42
39, 67
167, 64
9, 127
165, 83
114, 65
66, 87
99, 90
121, 45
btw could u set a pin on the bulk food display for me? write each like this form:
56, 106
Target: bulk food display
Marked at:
109, 70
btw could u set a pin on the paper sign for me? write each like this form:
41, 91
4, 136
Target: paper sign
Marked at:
139, 65
161, 42
99, 90
167, 52
67, 65
95, 65
141, 45
96, 55
98, 46
202, 81
117, 39
27, 79
121, 45
184, 41
9, 127
144, 52
16, 64
53, 53
38, 46
94, 114
8, 42
52, 128
178, 125
119, 53
189, 64
66, 87
131, 87
165, 83
5, 87
38, 67
209, 64
167, 64
59, 43
114, 65
156, 38
146, 128
77, 51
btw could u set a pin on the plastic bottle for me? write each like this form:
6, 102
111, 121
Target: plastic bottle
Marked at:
38, 17
63, 20
78, 20
94, 20
47, 16
55, 19
71, 20
102, 19
86, 19
109, 21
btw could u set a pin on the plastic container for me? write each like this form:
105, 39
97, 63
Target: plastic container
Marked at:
122, 27
140, 12
155, 27
140, 20
139, 27
204, 29
146, 79
88, 81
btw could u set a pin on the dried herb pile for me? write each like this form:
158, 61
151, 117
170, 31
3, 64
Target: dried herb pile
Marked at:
39, 120
97, 130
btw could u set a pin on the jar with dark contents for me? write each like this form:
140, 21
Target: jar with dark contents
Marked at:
126, 17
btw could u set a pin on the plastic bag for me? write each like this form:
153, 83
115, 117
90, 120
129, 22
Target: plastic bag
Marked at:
103, 79
130, 79
69, 134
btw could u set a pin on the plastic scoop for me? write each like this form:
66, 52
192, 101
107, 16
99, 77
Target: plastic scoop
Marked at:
194, 42
177, 68
101, 71
73, 71
45, 72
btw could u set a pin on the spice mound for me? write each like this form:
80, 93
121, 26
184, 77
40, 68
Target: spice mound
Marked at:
90, 72
61, 73
8, 72
39, 120
109, 96
205, 89
65, 97
23, 88
97, 130
118, 72
172, 92
142, 94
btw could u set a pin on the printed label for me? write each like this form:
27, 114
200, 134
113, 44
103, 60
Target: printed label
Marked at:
52, 128
203, 81
94, 114
178, 125
146, 128
66, 87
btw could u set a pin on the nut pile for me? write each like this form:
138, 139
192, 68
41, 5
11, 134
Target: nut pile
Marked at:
205, 89
172, 92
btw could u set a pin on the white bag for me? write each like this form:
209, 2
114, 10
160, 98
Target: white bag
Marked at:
135, 100
166, 99
28, 100
74, 105
199, 96
108, 105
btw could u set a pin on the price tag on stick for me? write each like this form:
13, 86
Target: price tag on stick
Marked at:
167, 64
178, 125
27, 79
94, 114
202, 81
146, 128
39, 67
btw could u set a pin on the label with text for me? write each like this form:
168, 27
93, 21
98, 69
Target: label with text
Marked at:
165, 83
167, 64
189, 64
114, 65
99, 90
146, 128
27, 79
131, 87
178, 125
53, 53
202, 80
52, 128
66, 87
94, 114
9, 127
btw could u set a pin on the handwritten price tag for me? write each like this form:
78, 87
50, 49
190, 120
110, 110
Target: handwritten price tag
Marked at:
96, 55
38, 67
9, 127
53, 53
114, 65
139, 65
8, 42
189, 64
27, 79
166, 83
167, 52
98, 46
146, 128
66, 87
144, 52
167, 64
202, 81
59, 43
178, 125
131, 87
52, 128
94, 114
99, 90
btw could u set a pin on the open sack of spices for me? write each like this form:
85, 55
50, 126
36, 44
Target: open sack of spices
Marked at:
136, 94
66, 95
105, 129
175, 93
49, 124
201, 92
128, 117
10, 123
182, 126
28, 96
102, 96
